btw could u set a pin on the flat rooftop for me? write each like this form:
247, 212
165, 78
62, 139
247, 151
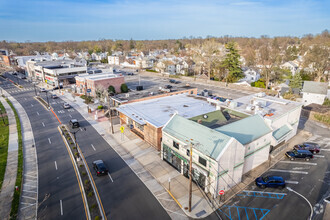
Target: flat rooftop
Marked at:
158, 111
268, 106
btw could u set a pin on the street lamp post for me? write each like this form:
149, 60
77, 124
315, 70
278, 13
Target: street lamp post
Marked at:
34, 85
74, 135
47, 98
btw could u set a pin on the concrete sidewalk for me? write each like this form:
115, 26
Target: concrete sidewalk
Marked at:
29, 193
8, 186
145, 161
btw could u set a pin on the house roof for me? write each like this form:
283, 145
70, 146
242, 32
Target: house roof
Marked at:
246, 130
210, 142
159, 110
315, 87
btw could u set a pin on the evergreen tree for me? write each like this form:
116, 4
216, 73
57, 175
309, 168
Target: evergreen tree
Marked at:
232, 64
296, 81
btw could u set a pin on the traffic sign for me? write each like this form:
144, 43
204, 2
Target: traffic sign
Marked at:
221, 192
89, 90
122, 129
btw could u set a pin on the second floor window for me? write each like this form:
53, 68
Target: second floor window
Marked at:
176, 145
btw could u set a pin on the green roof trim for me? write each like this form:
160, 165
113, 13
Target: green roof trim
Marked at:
210, 142
246, 130
281, 132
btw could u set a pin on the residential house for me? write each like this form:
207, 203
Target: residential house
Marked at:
251, 75
314, 92
292, 66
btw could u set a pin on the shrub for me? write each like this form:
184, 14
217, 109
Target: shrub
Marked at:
111, 89
124, 88
259, 84
90, 194
100, 107
76, 154
83, 173
86, 182
326, 102
93, 206
74, 148
150, 70
71, 142
81, 165
97, 217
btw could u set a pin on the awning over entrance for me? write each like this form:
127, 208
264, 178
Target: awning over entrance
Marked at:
281, 132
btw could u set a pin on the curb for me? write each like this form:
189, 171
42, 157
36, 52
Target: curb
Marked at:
82, 190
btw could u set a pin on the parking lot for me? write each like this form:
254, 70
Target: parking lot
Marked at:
309, 181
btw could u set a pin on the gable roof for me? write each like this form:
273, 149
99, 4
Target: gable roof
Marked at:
210, 142
315, 87
246, 130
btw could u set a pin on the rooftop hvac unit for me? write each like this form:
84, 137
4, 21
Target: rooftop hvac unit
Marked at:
127, 95
261, 94
233, 104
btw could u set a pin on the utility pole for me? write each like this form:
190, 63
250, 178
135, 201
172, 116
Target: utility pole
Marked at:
190, 177
110, 112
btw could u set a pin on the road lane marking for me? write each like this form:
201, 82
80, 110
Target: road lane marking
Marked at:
31, 105
70, 116
291, 182
37, 113
49, 141
289, 171
93, 147
43, 124
55, 165
80, 129
61, 207
110, 177
25, 99
319, 156
294, 162
324, 150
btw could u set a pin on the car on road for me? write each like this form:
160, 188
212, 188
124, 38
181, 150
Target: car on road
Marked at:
42, 89
130, 74
299, 154
168, 86
270, 181
22, 76
74, 123
54, 96
172, 81
66, 105
100, 167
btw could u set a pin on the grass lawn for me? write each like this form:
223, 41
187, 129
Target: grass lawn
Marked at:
4, 138
15, 202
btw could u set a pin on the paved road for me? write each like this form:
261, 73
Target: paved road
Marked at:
123, 194
55, 182
311, 179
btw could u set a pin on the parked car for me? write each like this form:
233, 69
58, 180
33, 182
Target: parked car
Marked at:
130, 74
73, 123
299, 154
100, 167
54, 96
312, 147
172, 81
270, 181
167, 86
43, 90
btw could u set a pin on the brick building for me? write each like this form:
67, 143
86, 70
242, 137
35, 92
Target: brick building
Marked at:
104, 80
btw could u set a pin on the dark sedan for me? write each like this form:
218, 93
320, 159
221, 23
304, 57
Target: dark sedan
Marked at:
270, 181
100, 167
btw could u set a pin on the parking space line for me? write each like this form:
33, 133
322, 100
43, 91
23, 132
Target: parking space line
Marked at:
289, 171
70, 116
37, 113
49, 141
321, 156
61, 207
43, 124
324, 150
31, 105
295, 162
291, 182
110, 177
93, 147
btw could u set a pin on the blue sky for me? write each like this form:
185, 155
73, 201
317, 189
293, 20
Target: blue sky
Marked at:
60, 20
